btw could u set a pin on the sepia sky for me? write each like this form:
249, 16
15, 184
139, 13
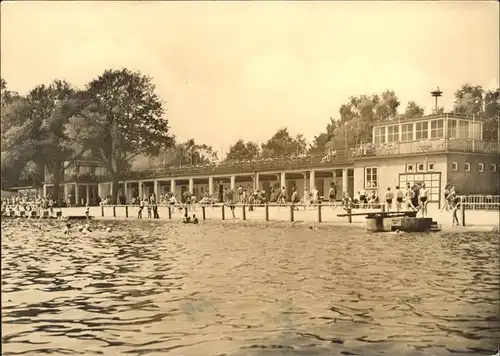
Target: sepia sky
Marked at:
236, 69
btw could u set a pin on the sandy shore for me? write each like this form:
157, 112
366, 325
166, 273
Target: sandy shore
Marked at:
474, 219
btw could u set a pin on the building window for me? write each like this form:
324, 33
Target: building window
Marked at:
437, 129
480, 167
467, 167
493, 167
421, 130
454, 166
379, 135
407, 132
393, 133
475, 129
463, 129
430, 167
420, 167
452, 128
409, 168
371, 177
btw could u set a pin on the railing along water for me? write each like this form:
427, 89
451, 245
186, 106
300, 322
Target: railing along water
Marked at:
481, 202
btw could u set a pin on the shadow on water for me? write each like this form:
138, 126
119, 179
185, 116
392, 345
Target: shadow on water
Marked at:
157, 288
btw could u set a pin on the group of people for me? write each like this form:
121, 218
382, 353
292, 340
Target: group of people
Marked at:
29, 207
414, 197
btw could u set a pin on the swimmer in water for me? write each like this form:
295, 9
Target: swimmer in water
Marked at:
186, 219
194, 220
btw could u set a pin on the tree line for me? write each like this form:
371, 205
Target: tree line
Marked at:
119, 121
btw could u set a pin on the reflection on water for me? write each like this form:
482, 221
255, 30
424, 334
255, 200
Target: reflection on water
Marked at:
158, 288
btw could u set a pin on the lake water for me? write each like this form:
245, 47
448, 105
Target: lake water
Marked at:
159, 288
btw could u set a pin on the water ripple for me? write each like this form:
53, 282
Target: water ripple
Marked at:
160, 288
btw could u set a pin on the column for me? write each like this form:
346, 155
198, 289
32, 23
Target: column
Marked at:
77, 196
257, 183
125, 192
312, 180
211, 186
87, 193
233, 183
191, 185
156, 188
172, 186
44, 190
141, 196
99, 191
283, 180
344, 181
305, 180
111, 188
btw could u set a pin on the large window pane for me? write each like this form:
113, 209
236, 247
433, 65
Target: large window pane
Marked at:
421, 130
407, 132
393, 133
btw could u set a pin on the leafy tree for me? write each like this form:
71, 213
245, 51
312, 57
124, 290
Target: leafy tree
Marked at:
191, 153
386, 106
413, 110
122, 119
242, 150
469, 100
283, 144
323, 141
491, 113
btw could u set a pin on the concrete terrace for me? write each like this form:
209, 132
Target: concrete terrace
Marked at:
475, 219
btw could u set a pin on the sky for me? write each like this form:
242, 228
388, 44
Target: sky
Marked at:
229, 70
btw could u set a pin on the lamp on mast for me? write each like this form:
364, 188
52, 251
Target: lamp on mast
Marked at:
436, 94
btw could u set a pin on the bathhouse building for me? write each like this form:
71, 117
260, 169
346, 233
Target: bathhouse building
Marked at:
435, 150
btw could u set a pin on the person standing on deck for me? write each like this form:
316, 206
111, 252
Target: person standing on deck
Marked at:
332, 193
141, 207
423, 195
409, 195
221, 192
446, 201
315, 196
230, 201
399, 198
295, 198
456, 204
389, 196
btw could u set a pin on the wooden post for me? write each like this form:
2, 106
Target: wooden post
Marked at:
349, 217
186, 211
319, 213
462, 206
291, 213
114, 211
126, 211
223, 213
244, 213
203, 212
102, 210
267, 211
169, 212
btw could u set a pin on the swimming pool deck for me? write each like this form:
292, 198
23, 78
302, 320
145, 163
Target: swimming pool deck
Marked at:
474, 219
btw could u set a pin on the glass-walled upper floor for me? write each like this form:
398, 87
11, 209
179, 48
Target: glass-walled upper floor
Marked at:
426, 129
